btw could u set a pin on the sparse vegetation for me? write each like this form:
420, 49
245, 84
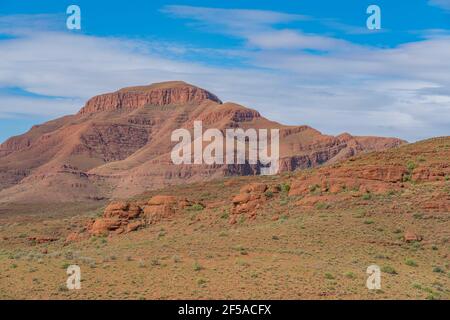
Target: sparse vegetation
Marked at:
197, 266
284, 187
268, 194
201, 282
388, 269
367, 196
284, 240
196, 207
322, 205
329, 276
438, 270
349, 275
410, 166
410, 262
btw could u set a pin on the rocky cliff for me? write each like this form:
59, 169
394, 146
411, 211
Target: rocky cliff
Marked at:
119, 145
170, 93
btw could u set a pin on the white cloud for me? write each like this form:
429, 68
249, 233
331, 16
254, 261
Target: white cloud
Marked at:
289, 39
402, 91
19, 106
445, 4
235, 20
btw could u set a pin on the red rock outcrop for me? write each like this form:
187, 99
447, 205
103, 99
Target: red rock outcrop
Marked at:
248, 200
118, 217
159, 208
172, 93
411, 236
123, 217
368, 178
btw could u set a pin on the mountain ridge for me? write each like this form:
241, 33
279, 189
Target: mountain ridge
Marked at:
118, 145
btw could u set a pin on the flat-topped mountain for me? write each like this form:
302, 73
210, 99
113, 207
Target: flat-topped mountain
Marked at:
157, 94
118, 145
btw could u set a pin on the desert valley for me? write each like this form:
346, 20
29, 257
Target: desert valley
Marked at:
98, 189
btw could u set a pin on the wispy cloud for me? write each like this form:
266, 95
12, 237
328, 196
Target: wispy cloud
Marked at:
261, 29
289, 75
234, 20
445, 4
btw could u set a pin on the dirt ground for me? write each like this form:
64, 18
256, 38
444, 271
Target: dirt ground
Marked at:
288, 251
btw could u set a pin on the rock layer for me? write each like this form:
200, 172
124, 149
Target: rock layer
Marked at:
159, 94
119, 145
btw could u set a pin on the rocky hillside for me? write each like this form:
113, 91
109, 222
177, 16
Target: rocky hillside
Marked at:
308, 234
394, 172
118, 145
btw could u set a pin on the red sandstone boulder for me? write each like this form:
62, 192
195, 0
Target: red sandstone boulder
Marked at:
248, 200
133, 226
161, 207
74, 237
162, 200
254, 187
123, 210
410, 236
102, 226
241, 198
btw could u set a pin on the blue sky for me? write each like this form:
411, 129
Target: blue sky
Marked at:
297, 62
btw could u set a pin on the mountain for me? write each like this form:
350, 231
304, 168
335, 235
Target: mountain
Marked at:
118, 145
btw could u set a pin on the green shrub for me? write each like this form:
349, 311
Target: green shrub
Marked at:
201, 282
410, 166
225, 215
410, 262
349, 275
65, 266
367, 196
438, 270
197, 266
268, 194
196, 207
322, 205
284, 187
388, 269
329, 276
407, 177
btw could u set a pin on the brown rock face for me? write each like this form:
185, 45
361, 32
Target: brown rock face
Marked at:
159, 94
118, 217
411, 236
122, 210
123, 217
105, 225
249, 199
382, 173
119, 145
334, 180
